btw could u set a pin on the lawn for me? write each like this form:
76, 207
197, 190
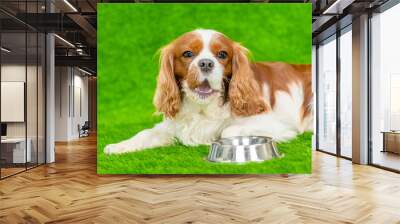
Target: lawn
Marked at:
129, 36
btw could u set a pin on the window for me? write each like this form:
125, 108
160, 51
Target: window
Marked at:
346, 75
394, 101
385, 89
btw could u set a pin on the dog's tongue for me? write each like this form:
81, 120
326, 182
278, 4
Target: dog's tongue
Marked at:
204, 86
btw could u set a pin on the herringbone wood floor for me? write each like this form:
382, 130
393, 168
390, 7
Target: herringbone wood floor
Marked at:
70, 191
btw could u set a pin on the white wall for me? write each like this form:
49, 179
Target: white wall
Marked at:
33, 127
81, 85
62, 82
16, 72
12, 73
70, 84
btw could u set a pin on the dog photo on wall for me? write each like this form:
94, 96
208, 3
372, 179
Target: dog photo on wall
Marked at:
204, 88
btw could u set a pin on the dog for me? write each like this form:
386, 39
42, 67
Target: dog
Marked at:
207, 88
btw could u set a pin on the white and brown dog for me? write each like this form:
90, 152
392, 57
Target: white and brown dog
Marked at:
207, 88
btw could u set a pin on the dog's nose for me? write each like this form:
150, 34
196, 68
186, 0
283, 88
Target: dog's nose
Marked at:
206, 65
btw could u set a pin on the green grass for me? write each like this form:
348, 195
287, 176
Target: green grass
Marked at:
129, 36
180, 159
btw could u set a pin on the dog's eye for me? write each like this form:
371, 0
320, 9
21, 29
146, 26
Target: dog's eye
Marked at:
222, 55
187, 54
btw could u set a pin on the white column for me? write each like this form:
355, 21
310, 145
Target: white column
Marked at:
50, 92
360, 90
314, 80
50, 100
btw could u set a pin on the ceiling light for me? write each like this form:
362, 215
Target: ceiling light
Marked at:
70, 5
5, 50
84, 71
65, 41
338, 6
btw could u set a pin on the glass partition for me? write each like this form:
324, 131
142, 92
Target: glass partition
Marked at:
14, 153
31, 100
327, 95
22, 101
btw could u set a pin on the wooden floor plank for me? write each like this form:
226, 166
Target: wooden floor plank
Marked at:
70, 191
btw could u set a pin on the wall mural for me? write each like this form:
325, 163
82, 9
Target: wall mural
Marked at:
204, 88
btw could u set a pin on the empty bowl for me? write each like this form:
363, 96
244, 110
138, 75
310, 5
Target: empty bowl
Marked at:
243, 149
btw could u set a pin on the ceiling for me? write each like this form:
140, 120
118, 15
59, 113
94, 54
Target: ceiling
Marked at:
76, 22
332, 15
72, 20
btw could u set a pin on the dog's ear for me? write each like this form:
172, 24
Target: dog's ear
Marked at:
167, 98
245, 94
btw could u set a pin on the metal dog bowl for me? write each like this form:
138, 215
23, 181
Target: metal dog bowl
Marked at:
243, 149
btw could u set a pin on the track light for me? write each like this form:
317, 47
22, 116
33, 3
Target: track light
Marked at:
338, 6
65, 41
5, 50
70, 5
84, 71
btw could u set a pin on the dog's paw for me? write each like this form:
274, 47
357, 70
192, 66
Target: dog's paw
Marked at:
232, 131
115, 149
